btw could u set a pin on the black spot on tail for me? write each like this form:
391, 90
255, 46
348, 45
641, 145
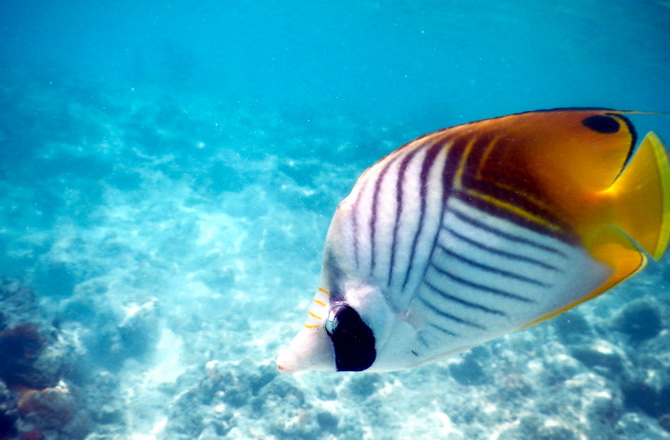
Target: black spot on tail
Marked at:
602, 124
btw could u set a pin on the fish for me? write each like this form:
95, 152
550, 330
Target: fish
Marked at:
472, 232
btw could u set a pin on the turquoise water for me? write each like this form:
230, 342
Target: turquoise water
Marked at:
168, 171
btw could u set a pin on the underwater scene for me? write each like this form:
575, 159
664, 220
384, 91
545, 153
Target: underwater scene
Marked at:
169, 171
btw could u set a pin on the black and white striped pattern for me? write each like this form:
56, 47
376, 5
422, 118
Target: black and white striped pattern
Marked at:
488, 276
391, 218
455, 268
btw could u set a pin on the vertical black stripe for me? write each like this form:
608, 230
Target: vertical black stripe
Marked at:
428, 162
354, 223
374, 207
455, 150
398, 211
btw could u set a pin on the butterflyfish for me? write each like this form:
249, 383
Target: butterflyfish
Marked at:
474, 231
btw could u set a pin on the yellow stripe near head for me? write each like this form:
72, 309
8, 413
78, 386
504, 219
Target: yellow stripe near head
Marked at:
314, 315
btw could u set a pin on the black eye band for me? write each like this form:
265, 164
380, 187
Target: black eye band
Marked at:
353, 340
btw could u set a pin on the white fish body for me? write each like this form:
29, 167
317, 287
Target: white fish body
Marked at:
443, 244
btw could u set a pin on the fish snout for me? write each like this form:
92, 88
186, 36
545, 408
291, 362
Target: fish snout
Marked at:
311, 349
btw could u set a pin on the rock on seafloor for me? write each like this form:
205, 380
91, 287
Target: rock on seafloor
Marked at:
174, 259
639, 319
36, 400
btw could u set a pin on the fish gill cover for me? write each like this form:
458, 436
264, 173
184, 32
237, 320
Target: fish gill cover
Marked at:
167, 174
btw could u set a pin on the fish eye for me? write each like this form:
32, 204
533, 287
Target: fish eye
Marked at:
333, 321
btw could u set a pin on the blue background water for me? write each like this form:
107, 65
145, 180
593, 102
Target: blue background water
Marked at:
186, 157
433, 61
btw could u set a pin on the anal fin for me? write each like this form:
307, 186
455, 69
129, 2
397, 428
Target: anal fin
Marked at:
613, 248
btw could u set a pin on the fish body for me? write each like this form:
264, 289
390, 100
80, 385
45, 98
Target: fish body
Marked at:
481, 229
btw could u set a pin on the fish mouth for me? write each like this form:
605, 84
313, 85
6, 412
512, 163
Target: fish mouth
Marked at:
284, 362
311, 349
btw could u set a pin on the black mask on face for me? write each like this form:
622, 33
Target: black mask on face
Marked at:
352, 339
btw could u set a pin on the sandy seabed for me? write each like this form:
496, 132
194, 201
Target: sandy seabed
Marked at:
156, 253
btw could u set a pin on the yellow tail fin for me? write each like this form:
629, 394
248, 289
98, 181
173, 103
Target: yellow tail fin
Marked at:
641, 196
639, 211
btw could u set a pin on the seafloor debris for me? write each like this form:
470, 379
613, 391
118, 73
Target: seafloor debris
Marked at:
50, 408
35, 400
139, 213
241, 400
